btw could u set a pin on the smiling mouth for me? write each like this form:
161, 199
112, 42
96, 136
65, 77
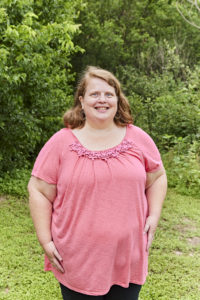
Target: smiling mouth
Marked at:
101, 108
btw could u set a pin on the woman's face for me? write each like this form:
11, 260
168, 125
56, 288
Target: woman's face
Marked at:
99, 102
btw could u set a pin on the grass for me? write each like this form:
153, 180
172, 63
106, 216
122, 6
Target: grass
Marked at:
174, 257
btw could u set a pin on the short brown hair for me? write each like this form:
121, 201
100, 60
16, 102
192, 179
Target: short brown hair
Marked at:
75, 118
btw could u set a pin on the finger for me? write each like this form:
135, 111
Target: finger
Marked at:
57, 265
146, 228
150, 240
57, 255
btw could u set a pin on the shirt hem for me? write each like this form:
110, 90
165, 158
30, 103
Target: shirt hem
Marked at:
97, 292
100, 292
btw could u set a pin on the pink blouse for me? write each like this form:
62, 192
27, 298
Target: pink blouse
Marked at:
100, 209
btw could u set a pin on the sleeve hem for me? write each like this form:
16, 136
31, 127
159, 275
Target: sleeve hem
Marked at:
155, 169
42, 177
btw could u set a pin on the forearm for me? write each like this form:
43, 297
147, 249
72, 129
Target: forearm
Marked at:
41, 211
155, 196
41, 197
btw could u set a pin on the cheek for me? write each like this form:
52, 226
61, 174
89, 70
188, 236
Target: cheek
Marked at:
88, 103
114, 103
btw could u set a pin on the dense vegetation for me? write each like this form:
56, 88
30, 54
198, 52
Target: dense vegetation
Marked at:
154, 52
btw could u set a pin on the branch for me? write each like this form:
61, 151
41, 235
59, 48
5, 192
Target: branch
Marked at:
195, 3
197, 6
182, 15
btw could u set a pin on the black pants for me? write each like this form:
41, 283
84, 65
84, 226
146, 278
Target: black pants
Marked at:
116, 292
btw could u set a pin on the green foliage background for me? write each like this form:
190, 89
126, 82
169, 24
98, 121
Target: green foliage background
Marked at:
35, 74
44, 45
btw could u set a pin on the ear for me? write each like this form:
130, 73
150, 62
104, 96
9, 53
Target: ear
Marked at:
81, 101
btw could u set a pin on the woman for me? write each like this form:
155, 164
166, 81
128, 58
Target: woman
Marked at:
96, 194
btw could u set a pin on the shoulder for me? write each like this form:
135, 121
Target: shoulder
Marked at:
60, 136
150, 153
142, 139
63, 132
138, 134
57, 141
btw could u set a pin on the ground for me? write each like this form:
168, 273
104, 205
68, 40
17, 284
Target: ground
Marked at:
174, 261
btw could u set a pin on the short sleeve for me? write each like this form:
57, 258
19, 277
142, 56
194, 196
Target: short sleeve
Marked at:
47, 163
151, 155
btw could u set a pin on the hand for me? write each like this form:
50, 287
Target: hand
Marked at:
53, 256
150, 228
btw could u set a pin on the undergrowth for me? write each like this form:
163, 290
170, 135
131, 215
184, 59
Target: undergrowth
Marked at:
15, 183
182, 163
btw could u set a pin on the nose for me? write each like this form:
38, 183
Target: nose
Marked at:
102, 97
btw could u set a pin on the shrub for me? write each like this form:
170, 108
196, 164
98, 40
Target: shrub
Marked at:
182, 163
35, 74
15, 183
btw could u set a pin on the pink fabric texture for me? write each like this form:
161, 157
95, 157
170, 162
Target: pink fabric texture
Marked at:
100, 209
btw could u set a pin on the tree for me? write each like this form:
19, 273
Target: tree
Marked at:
189, 10
133, 33
36, 43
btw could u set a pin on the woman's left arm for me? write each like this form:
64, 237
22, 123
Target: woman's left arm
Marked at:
156, 188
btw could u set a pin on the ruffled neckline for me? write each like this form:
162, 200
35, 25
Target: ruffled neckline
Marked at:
113, 152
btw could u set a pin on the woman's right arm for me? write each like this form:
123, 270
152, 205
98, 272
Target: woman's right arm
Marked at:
41, 197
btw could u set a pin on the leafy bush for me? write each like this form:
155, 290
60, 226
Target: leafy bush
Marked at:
35, 73
15, 183
164, 103
182, 163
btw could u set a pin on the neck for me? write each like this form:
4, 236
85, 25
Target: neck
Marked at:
100, 127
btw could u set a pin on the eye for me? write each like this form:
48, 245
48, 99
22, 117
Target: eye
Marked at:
94, 94
109, 95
